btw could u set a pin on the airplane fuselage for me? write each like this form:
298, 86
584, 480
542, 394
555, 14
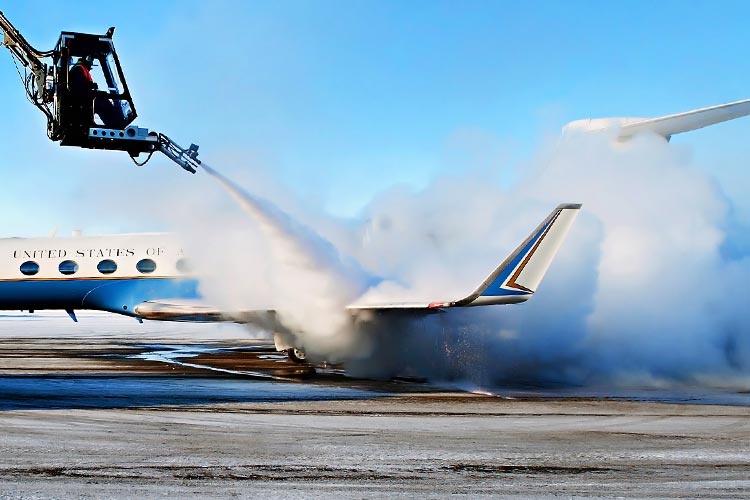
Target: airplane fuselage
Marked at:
109, 273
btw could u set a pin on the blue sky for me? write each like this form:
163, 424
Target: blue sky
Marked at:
340, 100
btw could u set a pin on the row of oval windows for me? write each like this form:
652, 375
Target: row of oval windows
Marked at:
107, 266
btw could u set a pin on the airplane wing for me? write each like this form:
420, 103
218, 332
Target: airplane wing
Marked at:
179, 310
196, 311
515, 279
665, 126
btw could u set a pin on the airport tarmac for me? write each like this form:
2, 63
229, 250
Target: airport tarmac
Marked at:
109, 408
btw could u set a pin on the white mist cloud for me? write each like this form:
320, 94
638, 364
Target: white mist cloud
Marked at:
640, 286
643, 289
640, 291
660, 268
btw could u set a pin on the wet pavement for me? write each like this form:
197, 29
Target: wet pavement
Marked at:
111, 409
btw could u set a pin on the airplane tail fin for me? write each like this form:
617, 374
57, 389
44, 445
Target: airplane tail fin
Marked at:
515, 280
518, 276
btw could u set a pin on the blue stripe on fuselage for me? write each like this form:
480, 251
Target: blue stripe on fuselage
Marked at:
113, 295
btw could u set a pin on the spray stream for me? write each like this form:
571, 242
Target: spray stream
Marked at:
312, 283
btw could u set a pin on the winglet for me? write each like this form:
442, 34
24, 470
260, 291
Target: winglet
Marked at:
515, 280
518, 276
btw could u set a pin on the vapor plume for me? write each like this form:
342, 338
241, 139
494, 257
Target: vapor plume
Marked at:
643, 291
640, 293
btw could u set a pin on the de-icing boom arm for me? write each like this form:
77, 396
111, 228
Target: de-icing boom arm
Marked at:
70, 110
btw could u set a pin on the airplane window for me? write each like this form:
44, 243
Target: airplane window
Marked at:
146, 266
68, 267
184, 266
29, 268
107, 266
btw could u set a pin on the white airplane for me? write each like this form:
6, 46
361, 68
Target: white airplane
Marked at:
146, 276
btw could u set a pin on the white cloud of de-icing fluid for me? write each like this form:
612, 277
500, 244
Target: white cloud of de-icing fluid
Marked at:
307, 282
640, 292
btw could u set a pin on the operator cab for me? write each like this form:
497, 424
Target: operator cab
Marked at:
84, 96
96, 116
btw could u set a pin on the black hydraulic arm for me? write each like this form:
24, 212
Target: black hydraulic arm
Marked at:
24, 52
38, 87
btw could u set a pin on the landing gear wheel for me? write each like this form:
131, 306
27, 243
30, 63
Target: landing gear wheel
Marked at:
297, 355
